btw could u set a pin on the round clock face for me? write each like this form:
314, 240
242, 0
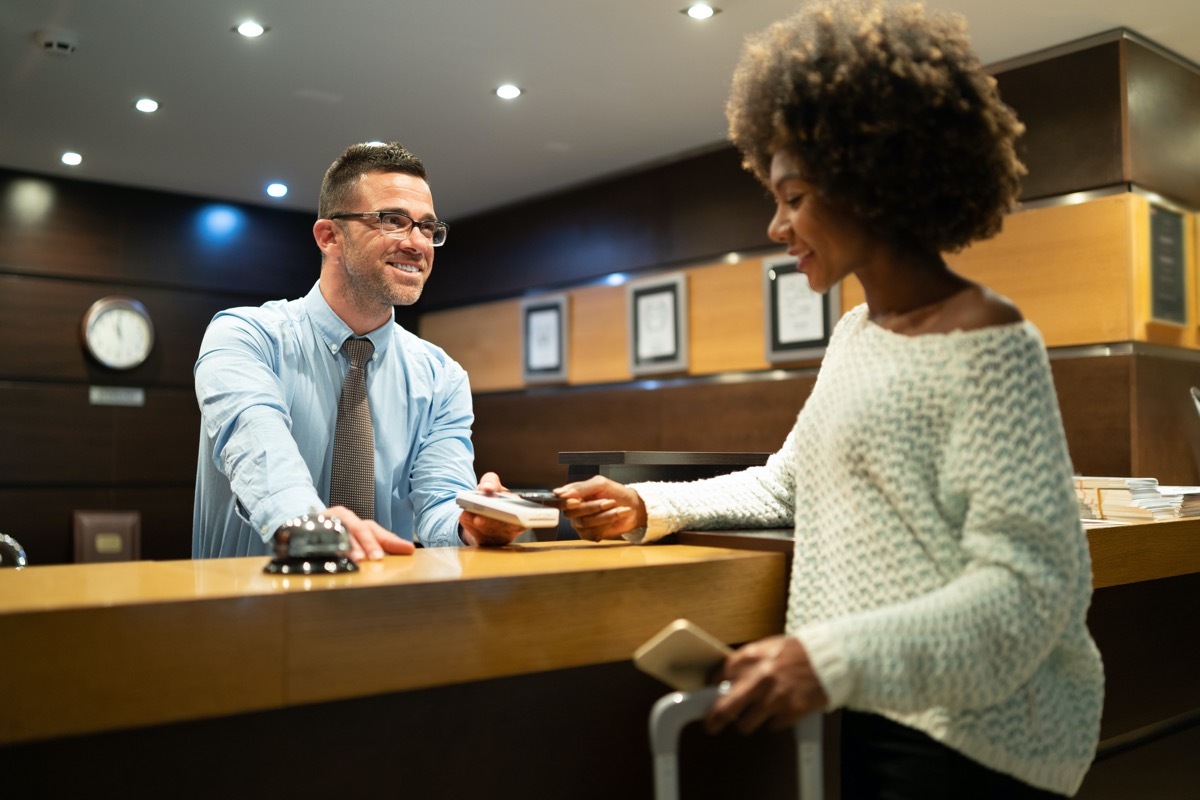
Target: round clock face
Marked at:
118, 333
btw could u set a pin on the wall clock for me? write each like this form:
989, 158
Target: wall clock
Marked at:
118, 333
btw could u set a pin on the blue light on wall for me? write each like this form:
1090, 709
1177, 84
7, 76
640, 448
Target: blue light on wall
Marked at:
219, 224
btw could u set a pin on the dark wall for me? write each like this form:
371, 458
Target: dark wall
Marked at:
1121, 111
688, 210
64, 244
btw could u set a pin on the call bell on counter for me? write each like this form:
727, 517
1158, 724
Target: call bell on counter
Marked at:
313, 544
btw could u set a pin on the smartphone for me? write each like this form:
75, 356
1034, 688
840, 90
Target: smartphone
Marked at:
682, 655
543, 497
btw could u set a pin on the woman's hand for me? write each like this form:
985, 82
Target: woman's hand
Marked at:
601, 508
771, 682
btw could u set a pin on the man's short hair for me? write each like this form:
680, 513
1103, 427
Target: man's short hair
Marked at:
358, 160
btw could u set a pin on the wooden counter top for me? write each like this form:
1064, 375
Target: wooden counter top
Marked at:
1121, 554
105, 646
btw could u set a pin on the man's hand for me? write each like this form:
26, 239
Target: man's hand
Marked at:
481, 531
369, 539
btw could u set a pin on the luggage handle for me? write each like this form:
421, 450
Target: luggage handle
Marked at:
674, 711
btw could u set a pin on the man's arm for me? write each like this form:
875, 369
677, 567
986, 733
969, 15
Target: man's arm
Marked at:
444, 466
245, 416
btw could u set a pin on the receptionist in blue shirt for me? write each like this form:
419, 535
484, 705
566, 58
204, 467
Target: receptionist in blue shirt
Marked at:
268, 380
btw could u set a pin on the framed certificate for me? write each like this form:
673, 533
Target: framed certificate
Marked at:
798, 320
544, 336
658, 330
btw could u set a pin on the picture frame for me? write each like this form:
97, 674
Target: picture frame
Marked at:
658, 324
798, 320
1168, 266
544, 325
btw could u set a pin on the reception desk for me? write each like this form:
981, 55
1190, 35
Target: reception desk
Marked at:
449, 673
464, 673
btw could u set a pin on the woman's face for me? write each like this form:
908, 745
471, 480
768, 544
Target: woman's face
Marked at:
827, 243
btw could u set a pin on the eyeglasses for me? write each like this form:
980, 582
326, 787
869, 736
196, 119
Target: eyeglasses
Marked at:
399, 226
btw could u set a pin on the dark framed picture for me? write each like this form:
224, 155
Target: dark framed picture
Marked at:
658, 329
544, 337
798, 320
1168, 273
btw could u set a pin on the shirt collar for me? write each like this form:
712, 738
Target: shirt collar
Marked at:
334, 332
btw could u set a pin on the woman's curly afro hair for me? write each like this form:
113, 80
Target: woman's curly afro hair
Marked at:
889, 115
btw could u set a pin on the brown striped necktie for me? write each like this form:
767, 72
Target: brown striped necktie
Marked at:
352, 482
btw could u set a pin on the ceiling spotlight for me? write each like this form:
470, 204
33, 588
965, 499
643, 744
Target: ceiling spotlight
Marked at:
146, 105
250, 29
277, 189
508, 91
700, 11
72, 159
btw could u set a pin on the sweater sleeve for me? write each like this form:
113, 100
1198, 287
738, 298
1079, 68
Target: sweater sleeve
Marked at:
1025, 572
758, 497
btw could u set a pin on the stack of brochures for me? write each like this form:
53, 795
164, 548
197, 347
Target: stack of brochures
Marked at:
1187, 497
1134, 499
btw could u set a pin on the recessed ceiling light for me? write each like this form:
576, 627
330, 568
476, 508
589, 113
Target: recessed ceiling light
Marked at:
508, 91
250, 29
146, 105
72, 159
700, 11
277, 189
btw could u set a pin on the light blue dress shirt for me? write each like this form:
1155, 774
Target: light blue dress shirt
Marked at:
268, 380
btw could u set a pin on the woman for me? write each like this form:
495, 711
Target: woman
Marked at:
941, 577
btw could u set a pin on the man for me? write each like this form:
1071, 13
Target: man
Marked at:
269, 378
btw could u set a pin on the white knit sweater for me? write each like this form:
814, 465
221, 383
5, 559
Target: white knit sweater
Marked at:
941, 577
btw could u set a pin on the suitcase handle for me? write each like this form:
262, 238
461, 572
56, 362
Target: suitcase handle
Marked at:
674, 711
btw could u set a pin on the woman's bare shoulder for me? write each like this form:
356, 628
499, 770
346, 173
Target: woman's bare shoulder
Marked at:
979, 307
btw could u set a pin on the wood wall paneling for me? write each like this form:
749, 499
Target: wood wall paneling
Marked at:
599, 336
1107, 414
40, 518
1095, 399
52, 309
1163, 101
1120, 111
1067, 267
1165, 432
714, 206
70, 228
520, 435
484, 339
726, 328
1130, 621
1072, 269
54, 227
1074, 125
